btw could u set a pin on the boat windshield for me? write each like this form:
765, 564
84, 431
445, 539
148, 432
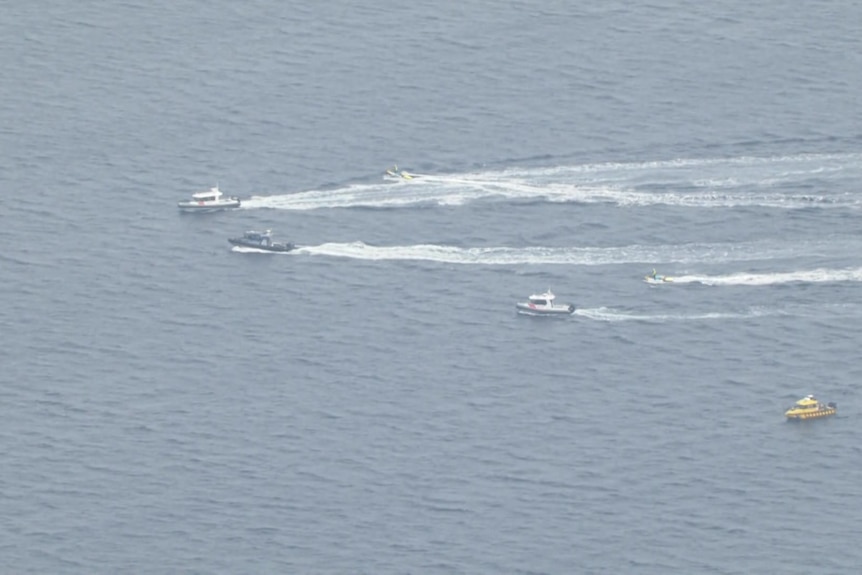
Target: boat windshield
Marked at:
539, 301
802, 407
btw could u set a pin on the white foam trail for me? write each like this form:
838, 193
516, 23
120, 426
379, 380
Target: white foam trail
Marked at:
680, 254
377, 195
706, 183
820, 275
613, 316
739, 168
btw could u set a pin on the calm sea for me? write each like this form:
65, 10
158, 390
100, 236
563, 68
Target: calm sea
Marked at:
371, 402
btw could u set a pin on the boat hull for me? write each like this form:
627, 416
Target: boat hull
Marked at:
555, 310
811, 414
206, 207
275, 247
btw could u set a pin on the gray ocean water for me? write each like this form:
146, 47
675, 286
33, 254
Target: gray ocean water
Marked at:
371, 403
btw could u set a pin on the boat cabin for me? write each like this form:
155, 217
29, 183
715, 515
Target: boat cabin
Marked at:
544, 299
807, 402
809, 407
810, 403
263, 238
212, 195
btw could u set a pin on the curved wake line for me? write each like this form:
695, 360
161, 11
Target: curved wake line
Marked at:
771, 182
679, 254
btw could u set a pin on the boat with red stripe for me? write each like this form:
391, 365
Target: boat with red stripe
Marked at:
543, 304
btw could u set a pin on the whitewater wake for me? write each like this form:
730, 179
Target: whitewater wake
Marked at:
682, 254
821, 275
611, 315
788, 182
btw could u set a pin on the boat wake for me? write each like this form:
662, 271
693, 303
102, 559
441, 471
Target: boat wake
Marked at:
820, 275
820, 310
703, 253
789, 182
611, 315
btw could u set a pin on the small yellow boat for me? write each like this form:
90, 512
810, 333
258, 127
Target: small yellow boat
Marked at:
809, 408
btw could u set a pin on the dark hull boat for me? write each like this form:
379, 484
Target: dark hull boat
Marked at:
261, 241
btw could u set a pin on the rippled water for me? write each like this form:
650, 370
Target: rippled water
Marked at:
371, 403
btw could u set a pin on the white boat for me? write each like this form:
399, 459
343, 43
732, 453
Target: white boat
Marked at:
543, 304
211, 200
